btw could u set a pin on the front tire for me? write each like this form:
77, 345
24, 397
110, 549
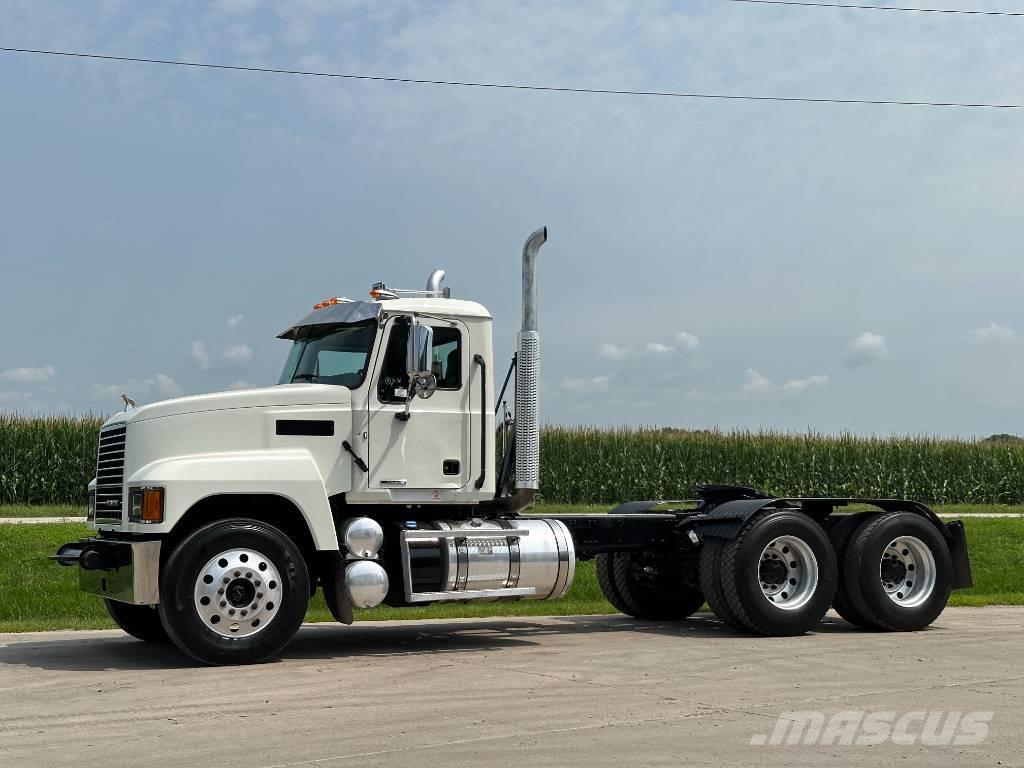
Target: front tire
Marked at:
234, 592
140, 621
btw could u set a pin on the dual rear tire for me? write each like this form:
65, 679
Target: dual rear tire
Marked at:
885, 571
895, 571
777, 577
658, 585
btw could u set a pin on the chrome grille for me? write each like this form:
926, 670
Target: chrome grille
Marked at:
110, 473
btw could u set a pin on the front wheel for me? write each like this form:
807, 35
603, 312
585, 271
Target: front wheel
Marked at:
139, 621
234, 592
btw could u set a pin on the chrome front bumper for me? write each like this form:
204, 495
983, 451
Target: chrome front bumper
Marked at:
126, 571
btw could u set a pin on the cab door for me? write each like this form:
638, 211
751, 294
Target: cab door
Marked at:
430, 453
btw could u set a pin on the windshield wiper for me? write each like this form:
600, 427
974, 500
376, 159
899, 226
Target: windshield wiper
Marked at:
304, 377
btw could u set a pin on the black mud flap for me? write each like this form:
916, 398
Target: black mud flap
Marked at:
962, 578
333, 582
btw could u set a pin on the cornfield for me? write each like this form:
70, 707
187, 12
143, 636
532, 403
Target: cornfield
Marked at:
50, 461
589, 465
46, 460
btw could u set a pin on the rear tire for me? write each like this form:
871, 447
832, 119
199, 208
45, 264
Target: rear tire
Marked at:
711, 581
841, 534
899, 572
140, 621
779, 575
656, 585
234, 592
606, 581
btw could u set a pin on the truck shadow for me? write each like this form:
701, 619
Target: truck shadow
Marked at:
94, 652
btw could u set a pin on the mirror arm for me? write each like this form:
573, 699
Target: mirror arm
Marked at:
407, 413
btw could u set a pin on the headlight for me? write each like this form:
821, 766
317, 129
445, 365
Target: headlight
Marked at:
90, 514
146, 505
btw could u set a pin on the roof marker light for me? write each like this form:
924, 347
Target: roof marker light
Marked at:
329, 302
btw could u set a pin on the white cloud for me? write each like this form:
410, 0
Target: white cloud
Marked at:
235, 320
167, 386
658, 349
201, 354
29, 375
238, 354
799, 385
866, 349
613, 352
994, 333
582, 385
755, 382
687, 341
240, 384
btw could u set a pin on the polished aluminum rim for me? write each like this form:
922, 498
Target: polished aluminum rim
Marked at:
238, 593
907, 571
788, 572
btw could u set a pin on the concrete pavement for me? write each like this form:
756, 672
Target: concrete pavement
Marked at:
576, 691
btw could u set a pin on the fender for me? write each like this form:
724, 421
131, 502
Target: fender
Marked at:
289, 473
725, 520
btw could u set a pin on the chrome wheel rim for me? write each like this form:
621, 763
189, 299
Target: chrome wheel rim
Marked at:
788, 573
238, 593
907, 571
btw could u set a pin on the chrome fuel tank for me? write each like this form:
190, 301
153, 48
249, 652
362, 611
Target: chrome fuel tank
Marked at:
527, 559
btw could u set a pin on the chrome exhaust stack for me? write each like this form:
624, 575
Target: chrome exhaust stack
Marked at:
528, 377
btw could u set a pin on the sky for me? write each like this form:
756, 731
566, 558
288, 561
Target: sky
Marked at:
751, 265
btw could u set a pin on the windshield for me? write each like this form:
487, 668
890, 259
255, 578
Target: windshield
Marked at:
338, 354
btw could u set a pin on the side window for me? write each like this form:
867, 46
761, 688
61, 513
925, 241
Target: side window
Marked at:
392, 386
447, 365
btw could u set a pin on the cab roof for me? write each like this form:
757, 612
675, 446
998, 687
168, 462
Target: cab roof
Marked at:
336, 312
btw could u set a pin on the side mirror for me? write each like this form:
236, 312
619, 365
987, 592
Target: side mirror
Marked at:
420, 348
419, 356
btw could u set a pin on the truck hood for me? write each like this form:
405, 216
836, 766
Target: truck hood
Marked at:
282, 395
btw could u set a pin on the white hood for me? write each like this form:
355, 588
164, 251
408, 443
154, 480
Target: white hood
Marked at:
282, 395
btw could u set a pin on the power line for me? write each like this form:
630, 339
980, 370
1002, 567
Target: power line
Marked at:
517, 87
862, 7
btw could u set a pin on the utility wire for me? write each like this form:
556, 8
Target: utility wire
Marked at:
862, 7
517, 87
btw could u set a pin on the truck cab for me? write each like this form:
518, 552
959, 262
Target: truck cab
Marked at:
417, 450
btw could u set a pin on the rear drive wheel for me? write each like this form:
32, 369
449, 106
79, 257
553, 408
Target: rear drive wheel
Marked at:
657, 585
139, 621
234, 592
899, 571
606, 581
779, 576
711, 580
841, 534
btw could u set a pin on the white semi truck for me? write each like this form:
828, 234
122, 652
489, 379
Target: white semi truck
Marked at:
375, 471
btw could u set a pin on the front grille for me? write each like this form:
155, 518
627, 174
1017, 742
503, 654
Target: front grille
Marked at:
110, 473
